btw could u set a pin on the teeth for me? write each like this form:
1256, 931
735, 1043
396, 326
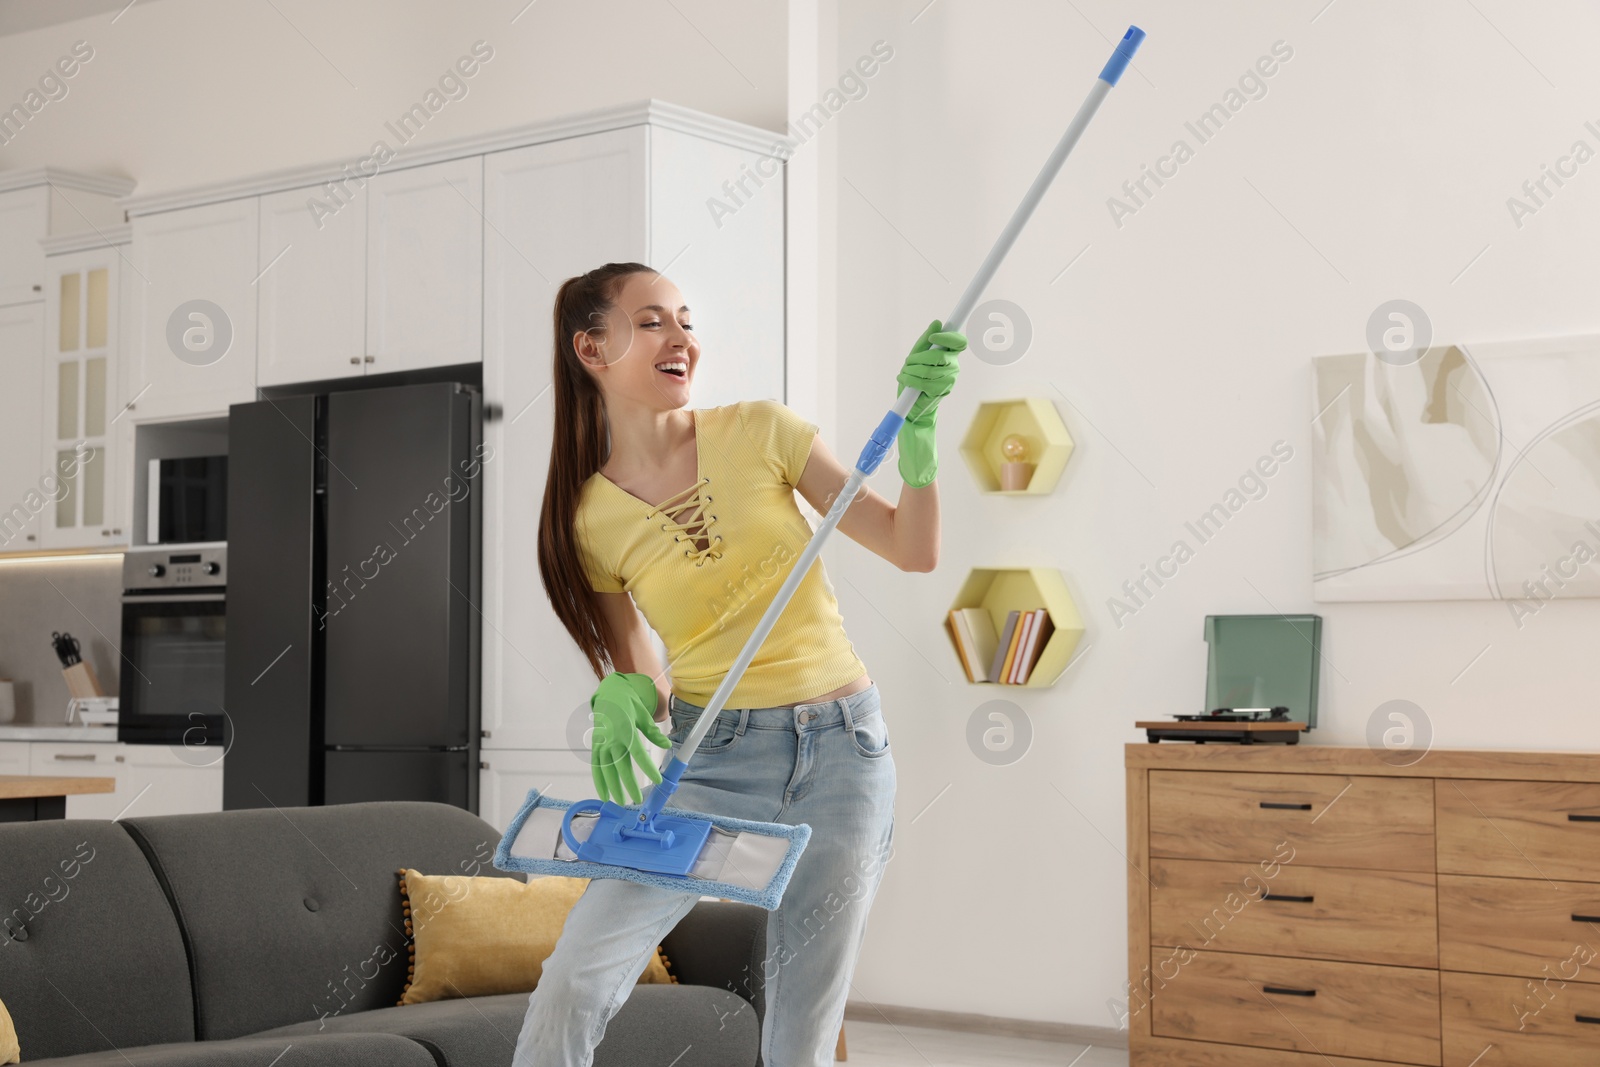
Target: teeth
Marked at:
680, 365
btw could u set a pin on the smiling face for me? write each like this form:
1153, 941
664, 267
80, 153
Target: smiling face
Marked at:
647, 351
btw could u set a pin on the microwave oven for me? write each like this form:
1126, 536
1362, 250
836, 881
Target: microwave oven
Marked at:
187, 500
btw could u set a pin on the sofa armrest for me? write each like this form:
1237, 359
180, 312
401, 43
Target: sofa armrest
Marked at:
722, 944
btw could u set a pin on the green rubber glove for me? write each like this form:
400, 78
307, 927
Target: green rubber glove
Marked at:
933, 371
624, 706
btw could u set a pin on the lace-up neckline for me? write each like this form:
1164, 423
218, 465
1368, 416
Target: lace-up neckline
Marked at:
691, 502
699, 521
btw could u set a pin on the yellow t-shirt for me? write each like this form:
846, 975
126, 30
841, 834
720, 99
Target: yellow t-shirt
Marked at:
704, 564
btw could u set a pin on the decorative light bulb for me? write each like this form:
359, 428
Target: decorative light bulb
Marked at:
1015, 448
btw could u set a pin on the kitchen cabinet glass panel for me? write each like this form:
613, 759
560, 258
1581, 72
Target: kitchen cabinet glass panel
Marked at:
94, 488
95, 324
67, 506
94, 396
70, 289
67, 399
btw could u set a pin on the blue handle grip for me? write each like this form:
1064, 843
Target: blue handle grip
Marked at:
877, 445
1120, 58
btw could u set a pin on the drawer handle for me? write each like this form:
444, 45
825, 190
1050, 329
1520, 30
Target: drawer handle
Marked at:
1288, 992
87, 755
1583, 818
1269, 895
1285, 807
1586, 918
1587, 1018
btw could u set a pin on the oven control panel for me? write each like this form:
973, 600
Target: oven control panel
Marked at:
161, 567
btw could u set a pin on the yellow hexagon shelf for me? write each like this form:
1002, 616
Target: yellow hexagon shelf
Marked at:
1001, 590
1039, 425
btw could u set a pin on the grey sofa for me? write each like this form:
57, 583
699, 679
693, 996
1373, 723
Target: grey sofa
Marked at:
274, 937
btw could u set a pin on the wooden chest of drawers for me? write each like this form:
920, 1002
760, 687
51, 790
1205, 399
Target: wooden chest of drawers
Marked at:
1313, 906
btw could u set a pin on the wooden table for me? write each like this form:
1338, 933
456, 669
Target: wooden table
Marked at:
29, 797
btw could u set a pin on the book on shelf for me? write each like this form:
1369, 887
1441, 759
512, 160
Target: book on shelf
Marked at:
972, 629
1039, 632
1004, 647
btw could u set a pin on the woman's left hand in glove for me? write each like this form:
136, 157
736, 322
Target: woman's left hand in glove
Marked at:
931, 370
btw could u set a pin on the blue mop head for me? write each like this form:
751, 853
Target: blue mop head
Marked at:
763, 853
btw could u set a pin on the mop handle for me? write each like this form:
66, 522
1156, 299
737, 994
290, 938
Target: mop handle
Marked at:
883, 437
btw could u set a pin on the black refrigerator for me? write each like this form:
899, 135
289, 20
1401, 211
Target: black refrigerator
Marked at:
354, 525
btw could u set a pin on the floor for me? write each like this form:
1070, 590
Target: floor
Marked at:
880, 1044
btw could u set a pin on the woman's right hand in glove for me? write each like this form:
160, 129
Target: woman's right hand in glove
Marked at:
624, 707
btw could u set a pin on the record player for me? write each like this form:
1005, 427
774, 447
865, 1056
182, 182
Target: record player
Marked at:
1261, 682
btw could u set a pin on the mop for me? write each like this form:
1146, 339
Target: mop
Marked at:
710, 855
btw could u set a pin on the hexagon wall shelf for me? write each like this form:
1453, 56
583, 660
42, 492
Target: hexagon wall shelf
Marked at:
1001, 590
1037, 421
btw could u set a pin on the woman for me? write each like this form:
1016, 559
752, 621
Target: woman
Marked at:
801, 738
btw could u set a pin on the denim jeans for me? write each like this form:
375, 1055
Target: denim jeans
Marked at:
826, 764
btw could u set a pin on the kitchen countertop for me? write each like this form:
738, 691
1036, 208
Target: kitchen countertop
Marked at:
12, 731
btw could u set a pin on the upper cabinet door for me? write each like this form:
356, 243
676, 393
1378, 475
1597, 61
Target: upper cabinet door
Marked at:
24, 218
553, 211
313, 263
425, 266
26, 484
80, 399
193, 338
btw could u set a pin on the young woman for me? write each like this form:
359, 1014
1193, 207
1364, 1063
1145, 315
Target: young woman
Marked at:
689, 517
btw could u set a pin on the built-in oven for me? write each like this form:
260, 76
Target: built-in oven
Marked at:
173, 642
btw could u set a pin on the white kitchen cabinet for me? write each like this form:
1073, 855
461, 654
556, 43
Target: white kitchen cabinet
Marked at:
82, 399
14, 757
425, 266
42, 202
151, 779
24, 218
313, 289
559, 209
26, 484
553, 210
192, 344
102, 759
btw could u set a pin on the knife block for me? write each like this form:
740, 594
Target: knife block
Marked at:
81, 681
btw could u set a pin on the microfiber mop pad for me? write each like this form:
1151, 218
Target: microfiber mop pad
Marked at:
742, 860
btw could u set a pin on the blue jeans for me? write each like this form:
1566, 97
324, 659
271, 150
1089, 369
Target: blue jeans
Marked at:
826, 764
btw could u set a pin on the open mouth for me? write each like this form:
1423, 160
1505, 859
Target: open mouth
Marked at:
676, 370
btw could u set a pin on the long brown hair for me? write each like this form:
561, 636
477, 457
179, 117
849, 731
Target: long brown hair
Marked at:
577, 451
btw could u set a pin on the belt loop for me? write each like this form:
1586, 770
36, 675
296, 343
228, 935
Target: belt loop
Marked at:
849, 720
744, 719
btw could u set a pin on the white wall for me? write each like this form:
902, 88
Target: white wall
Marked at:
181, 92
1177, 349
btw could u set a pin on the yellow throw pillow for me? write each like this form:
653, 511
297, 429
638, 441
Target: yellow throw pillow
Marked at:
10, 1051
477, 936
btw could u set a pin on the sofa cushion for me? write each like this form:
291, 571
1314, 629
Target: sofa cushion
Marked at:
90, 955
348, 1050
474, 937
293, 914
656, 1024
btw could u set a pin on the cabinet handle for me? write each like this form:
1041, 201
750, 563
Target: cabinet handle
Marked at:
87, 755
1586, 1018
369, 359
1583, 818
355, 359
32, 538
122, 759
105, 533
1273, 804
1269, 895
1281, 991
38, 288
483, 765
115, 531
